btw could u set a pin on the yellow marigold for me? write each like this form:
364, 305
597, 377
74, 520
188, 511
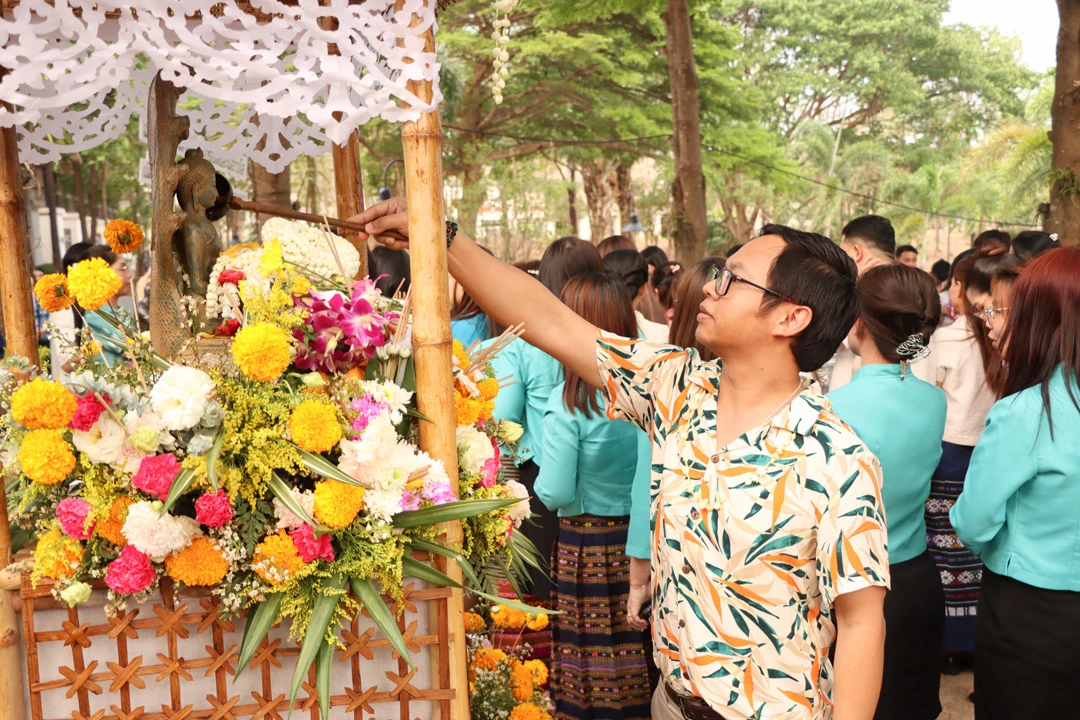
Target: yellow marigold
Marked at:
337, 504
489, 388
539, 671
57, 556
508, 618
45, 456
301, 285
272, 259
521, 682
466, 411
111, 526
459, 353
537, 622
200, 563
43, 405
276, 558
261, 351
474, 623
485, 409
52, 292
123, 236
92, 282
315, 427
487, 658
529, 711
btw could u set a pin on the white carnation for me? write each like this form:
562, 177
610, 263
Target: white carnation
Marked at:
510, 431
396, 397
383, 504
156, 534
103, 443
180, 396
520, 511
474, 450
287, 519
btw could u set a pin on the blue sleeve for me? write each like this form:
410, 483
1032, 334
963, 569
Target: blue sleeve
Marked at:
639, 536
1003, 461
556, 486
102, 328
510, 402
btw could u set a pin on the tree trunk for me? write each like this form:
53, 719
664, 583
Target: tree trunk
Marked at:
473, 193
270, 188
50, 199
688, 188
104, 193
80, 194
571, 201
95, 179
738, 221
594, 180
623, 192
1064, 215
312, 186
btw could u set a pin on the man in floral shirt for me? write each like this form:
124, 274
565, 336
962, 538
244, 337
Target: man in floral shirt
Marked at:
768, 532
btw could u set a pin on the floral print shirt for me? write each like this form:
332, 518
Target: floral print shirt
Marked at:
753, 542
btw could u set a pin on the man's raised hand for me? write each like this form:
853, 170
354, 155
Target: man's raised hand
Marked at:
387, 222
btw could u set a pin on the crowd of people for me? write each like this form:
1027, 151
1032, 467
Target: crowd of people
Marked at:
841, 475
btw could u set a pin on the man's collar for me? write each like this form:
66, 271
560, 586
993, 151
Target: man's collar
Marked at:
798, 417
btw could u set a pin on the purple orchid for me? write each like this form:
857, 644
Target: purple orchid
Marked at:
341, 332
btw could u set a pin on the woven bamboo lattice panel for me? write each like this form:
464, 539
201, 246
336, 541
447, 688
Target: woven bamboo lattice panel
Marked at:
174, 659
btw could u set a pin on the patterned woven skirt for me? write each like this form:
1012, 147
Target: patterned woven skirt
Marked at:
598, 666
961, 572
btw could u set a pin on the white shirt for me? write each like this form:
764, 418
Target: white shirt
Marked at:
652, 331
955, 365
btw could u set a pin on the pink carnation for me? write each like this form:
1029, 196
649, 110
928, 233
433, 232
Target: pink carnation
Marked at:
72, 513
213, 509
231, 276
311, 548
130, 573
156, 474
490, 471
87, 412
410, 500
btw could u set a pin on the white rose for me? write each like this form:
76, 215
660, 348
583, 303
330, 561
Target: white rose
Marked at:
520, 511
180, 397
158, 535
103, 443
510, 431
474, 449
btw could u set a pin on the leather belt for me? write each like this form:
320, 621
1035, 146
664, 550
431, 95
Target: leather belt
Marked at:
692, 708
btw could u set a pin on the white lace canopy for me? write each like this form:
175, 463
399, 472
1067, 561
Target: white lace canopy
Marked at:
260, 80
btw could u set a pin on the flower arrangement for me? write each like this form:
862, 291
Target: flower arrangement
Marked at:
274, 483
503, 683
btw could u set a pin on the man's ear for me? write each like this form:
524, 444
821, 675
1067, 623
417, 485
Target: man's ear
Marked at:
793, 320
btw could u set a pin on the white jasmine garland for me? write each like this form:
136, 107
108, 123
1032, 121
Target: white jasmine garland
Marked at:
180, 396
309, 248
243, 258
156, 534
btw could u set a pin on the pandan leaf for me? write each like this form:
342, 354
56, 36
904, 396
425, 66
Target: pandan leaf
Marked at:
422, 571
180, 486
380, 614
448, 512
466, 567
322, 615
324, 661
212, 458
324, 468
281, 492
259, 622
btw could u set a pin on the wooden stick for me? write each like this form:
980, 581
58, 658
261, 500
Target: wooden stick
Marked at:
240, 204
349, 188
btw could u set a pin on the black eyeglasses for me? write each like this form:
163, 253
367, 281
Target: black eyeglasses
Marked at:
724, 277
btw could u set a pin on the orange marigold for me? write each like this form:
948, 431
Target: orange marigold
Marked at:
57, 556
488, 387
92, 282
46, 457
52, 292
537, 622
337, 504
315, 427
262, 351
123, 236
529, 711
199, 564
466, 410
43, 405
521, 682
276, 558
539, 671
460, 355
111, 526
474, 623
487, 658
508, 618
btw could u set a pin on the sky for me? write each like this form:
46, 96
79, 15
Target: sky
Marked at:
1035, 22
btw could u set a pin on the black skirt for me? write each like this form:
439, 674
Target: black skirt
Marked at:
1027, 651
914, 622
543, 530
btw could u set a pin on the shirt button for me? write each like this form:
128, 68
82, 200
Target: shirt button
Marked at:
686, 569
715, 459
695, 514
682, 623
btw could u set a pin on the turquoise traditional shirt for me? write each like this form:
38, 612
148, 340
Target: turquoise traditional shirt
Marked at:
471, 329
589, 462
102, 329
536, 373
902, 422
1020, 508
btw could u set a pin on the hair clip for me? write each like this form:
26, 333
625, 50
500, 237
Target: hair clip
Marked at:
912, 350
1054, 237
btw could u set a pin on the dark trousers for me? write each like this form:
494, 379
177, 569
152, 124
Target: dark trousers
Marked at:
543, 530
1027, 651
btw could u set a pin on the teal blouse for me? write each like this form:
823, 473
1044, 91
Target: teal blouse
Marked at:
525, 402
590, 463
1020, 508
471, 329
102, 328
902, 422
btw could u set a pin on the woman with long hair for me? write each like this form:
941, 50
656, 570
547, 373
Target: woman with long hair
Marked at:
598, 666
686, 298
989, 284
630, 267
536, 373
1020, 509
955, 365
901, 419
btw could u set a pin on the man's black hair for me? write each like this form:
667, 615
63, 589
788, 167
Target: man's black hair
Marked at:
905, 248
993, 237
815, 272
941, 270
873, 230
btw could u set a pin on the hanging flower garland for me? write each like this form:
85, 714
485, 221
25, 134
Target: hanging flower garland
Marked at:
501, 36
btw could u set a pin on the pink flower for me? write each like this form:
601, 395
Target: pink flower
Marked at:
88, 412
213, 509
438, 492
367, 408
410, 500
72, 513
491, 468
311, 548
340, 331
130, 573
156, 474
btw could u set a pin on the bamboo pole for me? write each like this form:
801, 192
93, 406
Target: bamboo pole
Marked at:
422, 144
349, 190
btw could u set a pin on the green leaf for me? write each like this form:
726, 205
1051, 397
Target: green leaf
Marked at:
449, 512
281, 492
422, 571
180, 486
324, 662
259, 622
212, 458
466, 567
380, 614
322, 615
324, 468
413, 412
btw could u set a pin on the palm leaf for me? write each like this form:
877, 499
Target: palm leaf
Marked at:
448, 512
212, 458
322, 615
180, 486
422, 571
372, 601
282, 492
324, 661
466, 567
259, 622
324, 468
